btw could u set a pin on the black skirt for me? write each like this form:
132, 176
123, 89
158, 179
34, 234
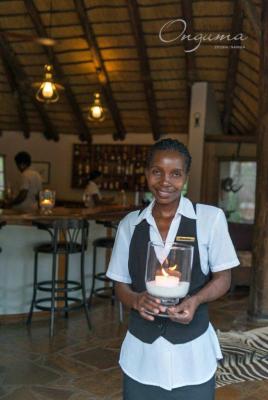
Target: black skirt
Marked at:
133, 390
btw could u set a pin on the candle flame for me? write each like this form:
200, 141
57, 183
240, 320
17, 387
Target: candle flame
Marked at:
173, 268
164, 272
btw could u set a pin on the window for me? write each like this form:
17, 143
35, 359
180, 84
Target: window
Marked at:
237, 190
2, 176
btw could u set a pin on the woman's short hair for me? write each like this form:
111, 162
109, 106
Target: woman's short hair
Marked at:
23, 158
94, 175
170, 145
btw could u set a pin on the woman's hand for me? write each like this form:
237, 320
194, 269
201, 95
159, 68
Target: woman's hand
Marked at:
146, 304
184, 311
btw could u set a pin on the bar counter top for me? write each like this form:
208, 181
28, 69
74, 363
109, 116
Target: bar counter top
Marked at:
104, 212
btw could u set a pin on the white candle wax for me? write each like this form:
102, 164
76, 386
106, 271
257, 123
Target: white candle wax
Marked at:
179, 290
166, 281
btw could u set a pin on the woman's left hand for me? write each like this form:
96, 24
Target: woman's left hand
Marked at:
184, 311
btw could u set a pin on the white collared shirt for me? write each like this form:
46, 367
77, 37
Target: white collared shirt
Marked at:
32, 182
163, 363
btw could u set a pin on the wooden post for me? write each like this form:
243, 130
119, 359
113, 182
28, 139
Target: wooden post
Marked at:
258, 305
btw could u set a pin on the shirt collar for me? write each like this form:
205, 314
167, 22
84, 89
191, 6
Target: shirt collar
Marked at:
185, 208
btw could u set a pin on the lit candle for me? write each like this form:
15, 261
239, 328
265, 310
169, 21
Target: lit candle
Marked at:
168, 286
46, 203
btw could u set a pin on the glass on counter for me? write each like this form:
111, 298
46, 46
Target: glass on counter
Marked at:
47, 201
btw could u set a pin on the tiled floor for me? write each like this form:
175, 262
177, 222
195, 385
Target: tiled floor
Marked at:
82, 365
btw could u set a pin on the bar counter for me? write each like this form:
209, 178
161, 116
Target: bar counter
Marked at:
18, 238
104, 212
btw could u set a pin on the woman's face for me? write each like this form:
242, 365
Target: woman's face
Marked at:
166, 176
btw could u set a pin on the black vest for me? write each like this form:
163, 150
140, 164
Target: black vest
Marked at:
174, 332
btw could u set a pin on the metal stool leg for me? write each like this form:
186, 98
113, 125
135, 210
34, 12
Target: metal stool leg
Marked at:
82, 277
113, 294
29, 319
93, 275
53, 284
66, 274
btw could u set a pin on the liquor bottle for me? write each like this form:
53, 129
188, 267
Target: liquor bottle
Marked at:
105, 165
123, 198
87, 167
80, 168
118, 166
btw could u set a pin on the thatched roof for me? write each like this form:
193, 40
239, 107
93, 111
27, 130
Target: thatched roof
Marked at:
114, 47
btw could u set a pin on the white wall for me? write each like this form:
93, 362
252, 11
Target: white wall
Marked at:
59, 154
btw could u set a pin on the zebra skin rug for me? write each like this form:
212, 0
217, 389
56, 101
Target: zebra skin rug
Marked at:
245, 356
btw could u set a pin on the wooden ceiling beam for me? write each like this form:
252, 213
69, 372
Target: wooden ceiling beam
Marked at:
251, 12
136, 24
100, 68
187, 15
23, 83
84, 131
16, 92
258, 304
237, 26
230, 139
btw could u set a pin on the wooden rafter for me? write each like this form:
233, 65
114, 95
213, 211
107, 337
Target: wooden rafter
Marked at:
187, 15
100, 68
22, 80
230, 139
144, 67
237, 26
251, 12
16, 92
258, 304
84, 131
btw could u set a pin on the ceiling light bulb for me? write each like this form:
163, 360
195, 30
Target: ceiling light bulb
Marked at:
47, 90
96, 112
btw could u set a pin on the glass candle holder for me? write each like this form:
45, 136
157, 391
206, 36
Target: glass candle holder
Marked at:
47, 201
168, 271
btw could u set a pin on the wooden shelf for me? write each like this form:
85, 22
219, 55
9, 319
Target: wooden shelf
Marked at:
122, 166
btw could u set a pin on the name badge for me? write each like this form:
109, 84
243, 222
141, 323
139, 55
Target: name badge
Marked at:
185, 239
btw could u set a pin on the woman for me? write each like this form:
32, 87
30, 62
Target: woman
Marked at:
176, 357
92, 196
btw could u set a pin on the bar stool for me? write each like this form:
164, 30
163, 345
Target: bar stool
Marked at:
105, 291
68, 237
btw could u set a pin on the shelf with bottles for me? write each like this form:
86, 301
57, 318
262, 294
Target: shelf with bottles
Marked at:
122, 166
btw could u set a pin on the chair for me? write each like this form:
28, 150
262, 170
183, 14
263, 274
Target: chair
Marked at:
68, 237
105, 291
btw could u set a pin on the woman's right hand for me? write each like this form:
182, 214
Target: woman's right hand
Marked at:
147, 305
